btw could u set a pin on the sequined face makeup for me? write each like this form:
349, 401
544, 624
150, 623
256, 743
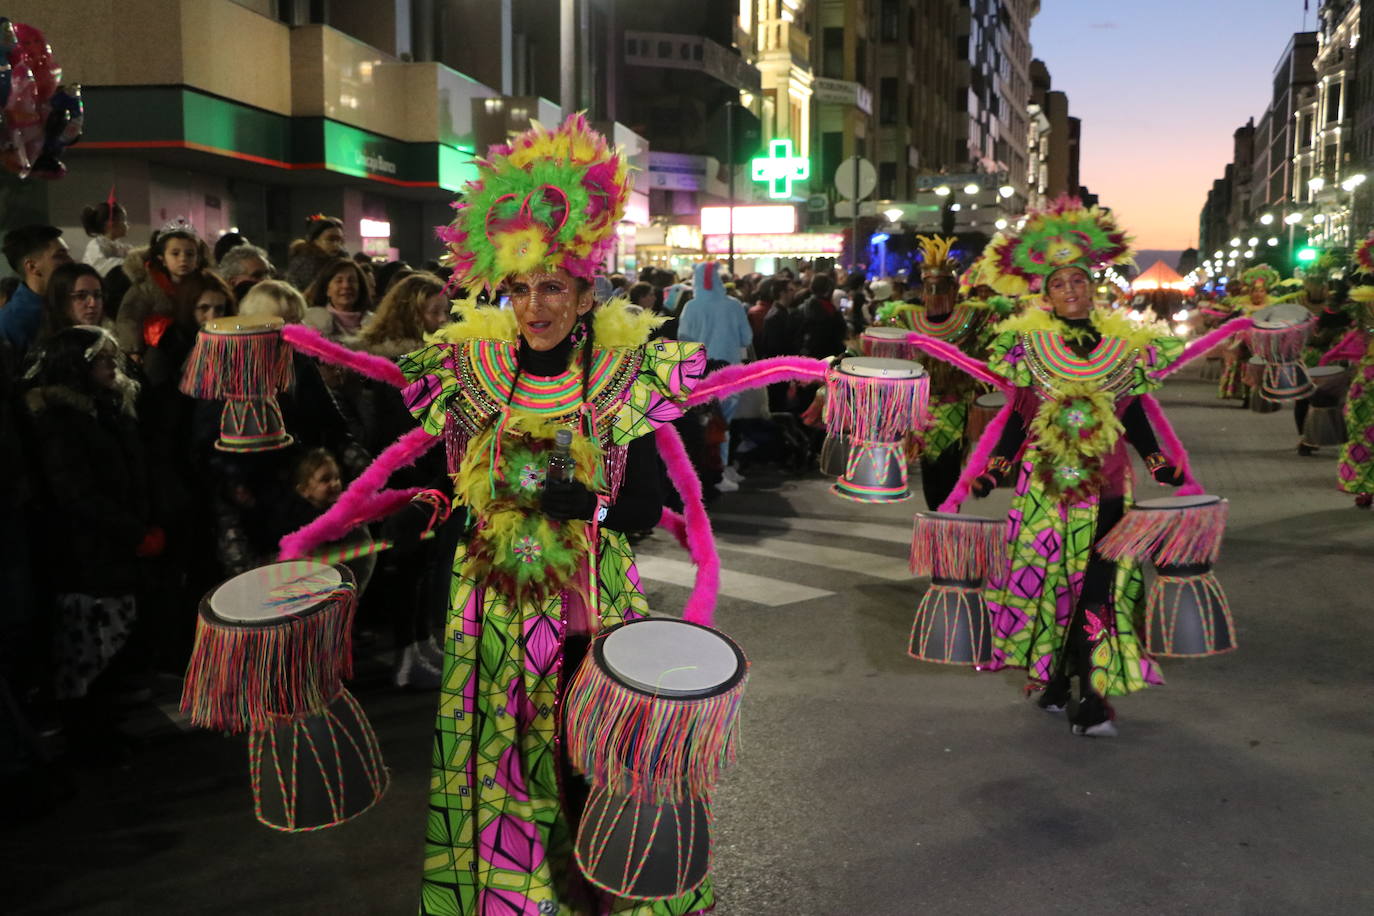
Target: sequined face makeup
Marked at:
547, 305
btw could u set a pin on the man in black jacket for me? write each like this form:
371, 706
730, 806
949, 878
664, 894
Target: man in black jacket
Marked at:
823, 329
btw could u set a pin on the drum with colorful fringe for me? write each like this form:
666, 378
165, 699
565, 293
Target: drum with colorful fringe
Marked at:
245, 363
875, 402
652, 718
312, 772
887, 343
958, 552
1278, 338
272, 648
985, 407
1325, 423
1186, 611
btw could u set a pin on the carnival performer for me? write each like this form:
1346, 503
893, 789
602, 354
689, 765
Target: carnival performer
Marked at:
546, 563
964, 325
1255, 284
1060, 609
1355, 473
1328, 306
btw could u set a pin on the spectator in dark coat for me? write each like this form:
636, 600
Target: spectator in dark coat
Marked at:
822, 325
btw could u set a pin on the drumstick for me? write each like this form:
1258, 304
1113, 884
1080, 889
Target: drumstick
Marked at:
357, 551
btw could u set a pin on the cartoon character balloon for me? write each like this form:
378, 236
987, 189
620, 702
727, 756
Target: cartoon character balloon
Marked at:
39, 117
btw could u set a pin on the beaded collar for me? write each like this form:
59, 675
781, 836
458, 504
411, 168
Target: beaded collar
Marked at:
953, 327
1053, 362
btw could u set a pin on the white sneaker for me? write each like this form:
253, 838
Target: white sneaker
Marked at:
727, 485
731, 474
415, 672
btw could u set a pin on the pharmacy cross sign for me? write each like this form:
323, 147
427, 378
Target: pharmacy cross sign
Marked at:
780, 168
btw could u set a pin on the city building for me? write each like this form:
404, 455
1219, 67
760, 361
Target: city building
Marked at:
1325, 169
266, 111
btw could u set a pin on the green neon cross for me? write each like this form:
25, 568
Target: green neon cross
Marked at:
780, 168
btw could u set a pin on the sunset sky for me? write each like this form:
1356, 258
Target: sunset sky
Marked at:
1160, 87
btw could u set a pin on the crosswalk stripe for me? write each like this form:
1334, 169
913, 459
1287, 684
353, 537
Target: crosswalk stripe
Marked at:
869, 531
878, 566
745, 587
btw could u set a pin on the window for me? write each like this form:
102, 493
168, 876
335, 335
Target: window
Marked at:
887, 180
832, 151
887, 100
889, 20
1333, 104
832, 53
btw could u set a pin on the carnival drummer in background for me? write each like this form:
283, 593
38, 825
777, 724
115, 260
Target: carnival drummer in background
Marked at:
1060, 609
546, 563
965, 325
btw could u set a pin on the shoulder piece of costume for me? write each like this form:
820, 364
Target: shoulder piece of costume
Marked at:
1034, 349
466, 378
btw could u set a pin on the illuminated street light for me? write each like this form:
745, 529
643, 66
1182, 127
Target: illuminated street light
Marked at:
1006, 191
1253, 242
942, 190
1234, 252
1273, 242
1266, 219
956, 207
1293, 219
1250, 253
1001, 224
1353, 182
1319, 218
1316, 184
1235, 242
1218, 253
893, 214
971, 188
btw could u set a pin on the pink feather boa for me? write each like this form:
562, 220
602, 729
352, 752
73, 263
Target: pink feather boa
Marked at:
364, 500
978, 460
310, 342
1171, 445
1351, 348
1204, 344
957, 358
692, 528
730, 379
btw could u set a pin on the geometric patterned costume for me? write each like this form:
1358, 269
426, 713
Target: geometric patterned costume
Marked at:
500, 831
1053, 524
1356, 469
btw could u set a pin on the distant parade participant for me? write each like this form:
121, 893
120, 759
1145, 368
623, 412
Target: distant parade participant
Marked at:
1255, 284
1326, 301
1060, 609
1355, 473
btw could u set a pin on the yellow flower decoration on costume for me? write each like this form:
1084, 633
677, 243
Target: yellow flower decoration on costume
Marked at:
520, 251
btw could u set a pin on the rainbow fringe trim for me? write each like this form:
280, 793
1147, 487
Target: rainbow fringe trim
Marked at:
1168, 537
948, 547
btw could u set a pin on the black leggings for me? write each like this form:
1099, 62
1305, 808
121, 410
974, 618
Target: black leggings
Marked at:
1098, 580
1300, 409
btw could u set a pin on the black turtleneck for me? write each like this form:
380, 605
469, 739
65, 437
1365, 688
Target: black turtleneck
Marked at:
545, 363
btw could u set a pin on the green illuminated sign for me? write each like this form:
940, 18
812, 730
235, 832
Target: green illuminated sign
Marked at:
1308, 254
780, 168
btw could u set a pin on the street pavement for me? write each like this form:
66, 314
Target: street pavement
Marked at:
869, 783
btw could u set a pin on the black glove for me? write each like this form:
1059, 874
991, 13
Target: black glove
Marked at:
984, 484
567, 500
1162, 471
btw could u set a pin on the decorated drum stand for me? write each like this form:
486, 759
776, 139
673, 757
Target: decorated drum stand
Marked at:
272, 648
652, 719
245, 363
1253, 374
1186, 613
1278, 338
875, 402
957, 552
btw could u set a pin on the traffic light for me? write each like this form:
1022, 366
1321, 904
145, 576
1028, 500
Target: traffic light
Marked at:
1308, 254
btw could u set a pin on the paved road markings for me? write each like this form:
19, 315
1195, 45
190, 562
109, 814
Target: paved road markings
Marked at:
870, 531
745, 587
878, 566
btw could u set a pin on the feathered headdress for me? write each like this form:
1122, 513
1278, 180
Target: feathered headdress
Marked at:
1065, 234
936, 259
549, 199
1262, 275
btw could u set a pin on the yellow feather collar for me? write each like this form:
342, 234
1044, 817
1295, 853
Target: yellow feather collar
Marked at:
616, 325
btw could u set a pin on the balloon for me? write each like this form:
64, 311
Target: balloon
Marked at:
22, 122
37, 53
62, 130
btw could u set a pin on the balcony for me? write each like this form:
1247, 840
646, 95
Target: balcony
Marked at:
691, 52
784, 38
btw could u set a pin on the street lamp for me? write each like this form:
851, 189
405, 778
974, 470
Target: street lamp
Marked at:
1293, 219
942, 190
1253, 242
1316, 184
1001, 224
1353, 182
1250, 253
956, 207
1235, 243
1006, 191
893, 214
1273, 242
971, 188
1319, 218
1267, 219
1218, 253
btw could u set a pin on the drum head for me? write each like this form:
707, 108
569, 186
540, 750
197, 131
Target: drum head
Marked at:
1317, 372
993, 400
269, 593
877, 367
886, 333
245, 324
1275, 317
1167, 503
661, 656
1256, 361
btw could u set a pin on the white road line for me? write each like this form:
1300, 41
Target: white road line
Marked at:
871, 531
756, 589
878, 566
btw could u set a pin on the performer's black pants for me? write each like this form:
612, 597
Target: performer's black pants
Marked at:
1300, 408
938, 477
1098, 580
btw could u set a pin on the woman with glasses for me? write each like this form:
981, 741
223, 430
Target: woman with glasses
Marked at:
75, 295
